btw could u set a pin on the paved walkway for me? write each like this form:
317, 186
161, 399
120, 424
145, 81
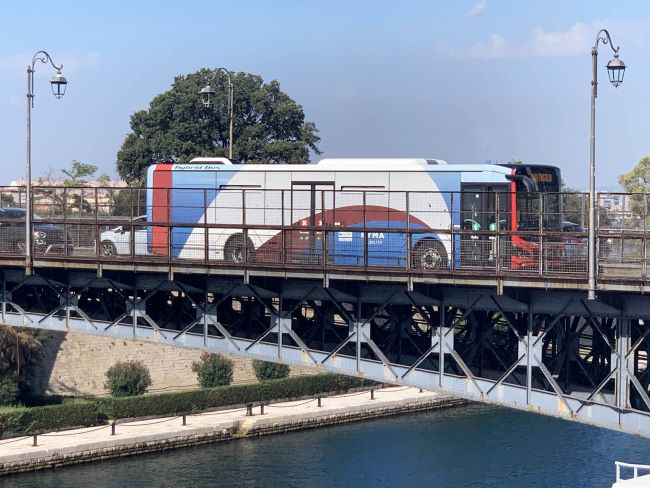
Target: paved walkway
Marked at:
81, 445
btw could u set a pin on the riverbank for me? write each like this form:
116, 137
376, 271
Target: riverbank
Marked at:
97, 443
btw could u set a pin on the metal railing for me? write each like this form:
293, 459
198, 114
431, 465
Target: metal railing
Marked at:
634, 467
415, 232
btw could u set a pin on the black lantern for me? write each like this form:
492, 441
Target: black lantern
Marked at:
59, 84
616, 71
206, 95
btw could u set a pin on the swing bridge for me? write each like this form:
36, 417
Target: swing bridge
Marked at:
482, 329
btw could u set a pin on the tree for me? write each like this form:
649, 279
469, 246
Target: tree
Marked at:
638, 181
213, 370
19, 349
265, 370
269, 126
78, 173
575, 205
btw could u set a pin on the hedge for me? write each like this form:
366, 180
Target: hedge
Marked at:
197, 400
88, 412
34, 420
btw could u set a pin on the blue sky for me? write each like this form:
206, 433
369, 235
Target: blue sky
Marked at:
466, 81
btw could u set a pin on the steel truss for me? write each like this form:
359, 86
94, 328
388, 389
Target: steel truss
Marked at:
554, 353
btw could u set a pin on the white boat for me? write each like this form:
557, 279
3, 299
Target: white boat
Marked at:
640, 475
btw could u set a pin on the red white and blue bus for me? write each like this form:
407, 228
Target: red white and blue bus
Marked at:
415, 205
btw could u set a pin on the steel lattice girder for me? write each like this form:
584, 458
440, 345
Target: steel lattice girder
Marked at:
538, 311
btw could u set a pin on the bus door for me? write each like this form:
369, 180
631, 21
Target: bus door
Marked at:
312, 204
479, 214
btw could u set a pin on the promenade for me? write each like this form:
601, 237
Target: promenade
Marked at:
97, 443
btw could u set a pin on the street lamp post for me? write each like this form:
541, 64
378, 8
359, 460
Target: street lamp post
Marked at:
206, 97
616, 71
59, 84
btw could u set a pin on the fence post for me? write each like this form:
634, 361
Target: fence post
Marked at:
35, 441
113, 427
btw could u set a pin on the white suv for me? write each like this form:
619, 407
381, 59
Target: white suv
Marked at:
117, 241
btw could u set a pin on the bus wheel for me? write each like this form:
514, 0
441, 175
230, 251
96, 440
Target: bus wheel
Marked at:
429, 254
234, 250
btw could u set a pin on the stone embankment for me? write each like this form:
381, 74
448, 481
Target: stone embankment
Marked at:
128, 438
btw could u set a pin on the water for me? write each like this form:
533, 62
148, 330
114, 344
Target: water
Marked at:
462, 447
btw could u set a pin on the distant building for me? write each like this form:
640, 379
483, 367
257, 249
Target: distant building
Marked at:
98, 194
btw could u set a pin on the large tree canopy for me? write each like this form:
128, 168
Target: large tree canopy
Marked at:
269, 126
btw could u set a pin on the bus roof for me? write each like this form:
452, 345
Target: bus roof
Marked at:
343, 164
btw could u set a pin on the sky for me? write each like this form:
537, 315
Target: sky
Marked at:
467, 81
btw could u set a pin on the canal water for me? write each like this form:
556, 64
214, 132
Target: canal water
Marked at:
464, 447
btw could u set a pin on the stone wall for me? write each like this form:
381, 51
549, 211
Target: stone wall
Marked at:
75, 364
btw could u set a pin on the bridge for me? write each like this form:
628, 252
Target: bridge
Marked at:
498, 316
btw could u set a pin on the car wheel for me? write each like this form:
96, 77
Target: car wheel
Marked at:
429, 254
107, 248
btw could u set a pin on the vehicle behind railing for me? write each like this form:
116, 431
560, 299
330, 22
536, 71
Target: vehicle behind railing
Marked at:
414, 232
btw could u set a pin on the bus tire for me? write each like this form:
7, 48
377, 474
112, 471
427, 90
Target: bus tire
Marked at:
429, 254
233, 251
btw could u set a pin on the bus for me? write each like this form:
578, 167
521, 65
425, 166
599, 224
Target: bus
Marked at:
384, 212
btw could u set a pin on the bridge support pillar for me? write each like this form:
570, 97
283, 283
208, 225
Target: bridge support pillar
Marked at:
622, 362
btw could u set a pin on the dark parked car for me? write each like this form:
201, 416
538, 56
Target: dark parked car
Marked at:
47, 238
574, 247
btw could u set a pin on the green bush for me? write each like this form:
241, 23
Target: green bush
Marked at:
213, 370
265, 370
9, 390
128, 378
33, 420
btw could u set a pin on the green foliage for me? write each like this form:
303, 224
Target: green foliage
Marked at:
213, 370
84, 412
7, 200
9, 389
51, 417
265, 370
128, 378
19, 349
269, 126
638, 181
198, 400
78, 173
574, 205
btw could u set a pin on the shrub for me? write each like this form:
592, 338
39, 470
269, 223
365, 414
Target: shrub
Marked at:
265, 370
213, 370
128, 378
33, 420
83, 412
8, 390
